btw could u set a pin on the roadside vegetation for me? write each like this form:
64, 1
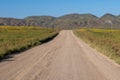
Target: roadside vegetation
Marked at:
104, 40
17, 39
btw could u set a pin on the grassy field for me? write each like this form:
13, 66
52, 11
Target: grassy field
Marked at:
104, 40
17, 39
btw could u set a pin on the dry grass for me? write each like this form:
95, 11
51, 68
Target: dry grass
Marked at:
105, 40
17, 39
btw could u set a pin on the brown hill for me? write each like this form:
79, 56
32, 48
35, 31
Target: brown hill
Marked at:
65, 22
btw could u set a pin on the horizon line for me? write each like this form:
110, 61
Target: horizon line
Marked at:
60, 15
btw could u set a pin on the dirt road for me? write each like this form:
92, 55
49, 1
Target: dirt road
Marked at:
64, 58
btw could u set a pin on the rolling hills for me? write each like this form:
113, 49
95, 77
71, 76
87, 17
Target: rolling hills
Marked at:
65, 22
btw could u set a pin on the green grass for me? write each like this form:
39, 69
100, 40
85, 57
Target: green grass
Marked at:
104, 40
17, 39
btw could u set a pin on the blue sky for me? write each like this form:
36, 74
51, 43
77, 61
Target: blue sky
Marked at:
23, 8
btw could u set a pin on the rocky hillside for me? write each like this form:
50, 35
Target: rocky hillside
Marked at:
66, 22
43, 21
12, 22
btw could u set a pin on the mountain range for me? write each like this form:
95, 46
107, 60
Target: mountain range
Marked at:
65, 22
